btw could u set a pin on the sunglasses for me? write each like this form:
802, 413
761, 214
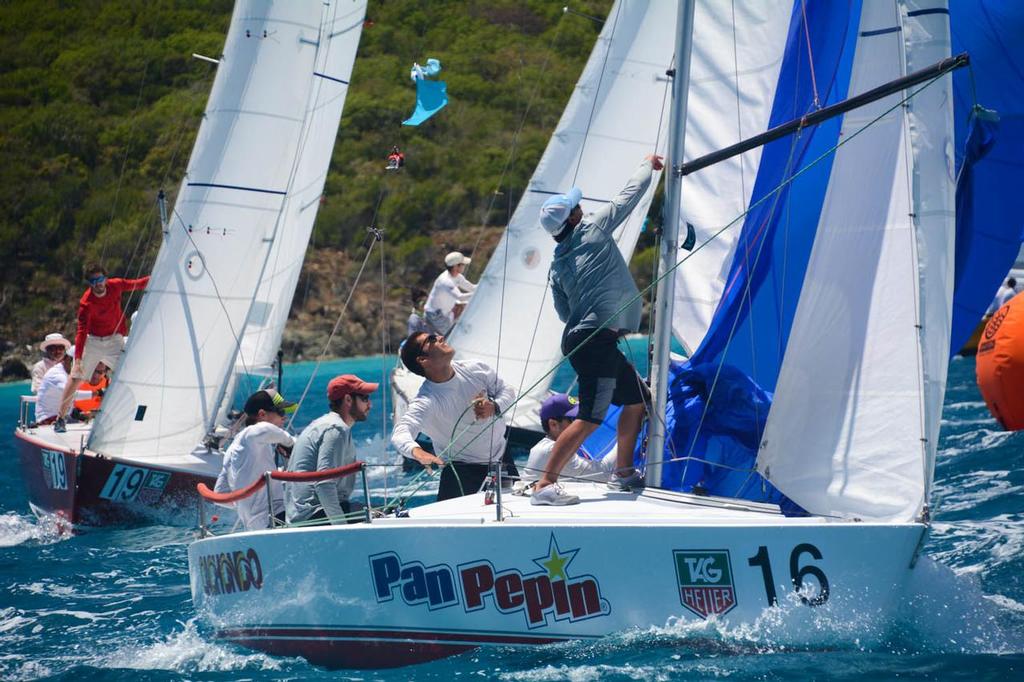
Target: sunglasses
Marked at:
93, 281
360, 396
429, 338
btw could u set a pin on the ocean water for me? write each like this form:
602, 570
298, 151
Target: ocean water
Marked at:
114, 603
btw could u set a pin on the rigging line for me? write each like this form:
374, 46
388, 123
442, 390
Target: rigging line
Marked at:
736, 89
334, 330
485, 219
768, 195
124, 161
385, 347
597, 91
810, 54
744, 295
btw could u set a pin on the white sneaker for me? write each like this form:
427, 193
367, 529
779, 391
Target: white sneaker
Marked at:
626, 483
554, 495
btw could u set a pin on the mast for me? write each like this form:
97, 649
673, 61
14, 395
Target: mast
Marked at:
669, 243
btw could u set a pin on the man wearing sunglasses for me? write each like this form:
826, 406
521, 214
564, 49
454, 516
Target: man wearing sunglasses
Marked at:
459, 407
253, 453
595, 296
101, 330
327, 444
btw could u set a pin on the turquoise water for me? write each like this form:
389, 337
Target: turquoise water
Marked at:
114, 603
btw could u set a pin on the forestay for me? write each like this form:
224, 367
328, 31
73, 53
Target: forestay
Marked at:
274, 100
614, 118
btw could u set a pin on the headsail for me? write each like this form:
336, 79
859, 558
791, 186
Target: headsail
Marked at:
853, 427
275, 100
614, 117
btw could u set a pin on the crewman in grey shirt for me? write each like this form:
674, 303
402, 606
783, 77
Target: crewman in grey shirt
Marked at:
595, 296
327, 444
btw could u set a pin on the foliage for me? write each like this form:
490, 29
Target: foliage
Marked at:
100, 102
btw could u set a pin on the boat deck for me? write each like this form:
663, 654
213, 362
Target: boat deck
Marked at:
199, 461
600, 505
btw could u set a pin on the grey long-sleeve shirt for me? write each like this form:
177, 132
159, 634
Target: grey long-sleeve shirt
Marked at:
324, 444
590, 280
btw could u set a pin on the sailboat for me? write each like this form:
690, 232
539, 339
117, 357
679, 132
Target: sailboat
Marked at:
222, 284
510, 323
843, 263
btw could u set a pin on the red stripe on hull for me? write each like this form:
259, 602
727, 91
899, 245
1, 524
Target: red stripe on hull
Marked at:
71, 485
340, 648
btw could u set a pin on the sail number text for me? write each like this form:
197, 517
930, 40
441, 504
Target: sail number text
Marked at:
800, 569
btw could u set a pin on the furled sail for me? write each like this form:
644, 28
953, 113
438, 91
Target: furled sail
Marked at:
229, 255
613, 119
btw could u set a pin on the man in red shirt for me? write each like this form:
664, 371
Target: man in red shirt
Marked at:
101, 331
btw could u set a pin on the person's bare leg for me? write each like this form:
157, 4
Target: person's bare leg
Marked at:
630, 420
569, 441
68, 397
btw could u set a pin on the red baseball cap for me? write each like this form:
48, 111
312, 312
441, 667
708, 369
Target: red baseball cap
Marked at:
347, 384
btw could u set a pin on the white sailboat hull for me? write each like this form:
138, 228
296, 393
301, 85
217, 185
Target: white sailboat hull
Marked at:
451, 578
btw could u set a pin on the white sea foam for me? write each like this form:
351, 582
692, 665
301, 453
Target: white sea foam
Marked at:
946, 612
186, 651
16, 529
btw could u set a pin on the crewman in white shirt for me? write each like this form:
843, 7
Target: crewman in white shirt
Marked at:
449, 295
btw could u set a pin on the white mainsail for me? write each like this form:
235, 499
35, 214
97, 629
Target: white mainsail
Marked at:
853, 428
333, 68
229, 253
734, 69
614, 118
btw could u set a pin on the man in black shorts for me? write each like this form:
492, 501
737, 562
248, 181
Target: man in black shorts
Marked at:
594, 294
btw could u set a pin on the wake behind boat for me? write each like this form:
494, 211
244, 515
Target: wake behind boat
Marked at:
221, 289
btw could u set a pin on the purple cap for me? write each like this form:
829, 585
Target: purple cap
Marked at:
557, 406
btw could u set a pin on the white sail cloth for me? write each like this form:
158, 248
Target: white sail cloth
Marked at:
853, 427
614, 118
734, 69
249, 185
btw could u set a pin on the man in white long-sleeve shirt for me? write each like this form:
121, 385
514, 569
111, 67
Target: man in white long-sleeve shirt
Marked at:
449, 295
327, 444
252, 453
459, 407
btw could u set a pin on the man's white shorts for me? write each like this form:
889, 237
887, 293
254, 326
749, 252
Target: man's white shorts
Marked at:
105, 349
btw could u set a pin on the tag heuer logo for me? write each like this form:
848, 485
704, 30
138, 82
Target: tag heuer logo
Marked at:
705, 581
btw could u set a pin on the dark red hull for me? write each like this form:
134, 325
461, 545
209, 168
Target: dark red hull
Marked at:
88, 489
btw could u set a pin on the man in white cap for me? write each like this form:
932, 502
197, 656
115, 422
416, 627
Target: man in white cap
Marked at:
54, 347
51, 388
595, 296
449, 295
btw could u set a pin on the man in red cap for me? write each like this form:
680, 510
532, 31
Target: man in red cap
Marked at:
327, 444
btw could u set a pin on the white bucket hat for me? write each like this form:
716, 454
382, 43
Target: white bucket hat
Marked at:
55, 339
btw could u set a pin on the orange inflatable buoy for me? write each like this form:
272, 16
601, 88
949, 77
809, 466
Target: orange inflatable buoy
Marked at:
1000, 364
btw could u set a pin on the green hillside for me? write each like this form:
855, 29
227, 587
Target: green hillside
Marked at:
100, 103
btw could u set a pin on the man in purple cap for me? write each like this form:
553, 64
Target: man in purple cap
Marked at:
556, 413
327, 444
595, 296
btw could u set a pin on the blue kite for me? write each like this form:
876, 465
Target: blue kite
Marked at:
431, 96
